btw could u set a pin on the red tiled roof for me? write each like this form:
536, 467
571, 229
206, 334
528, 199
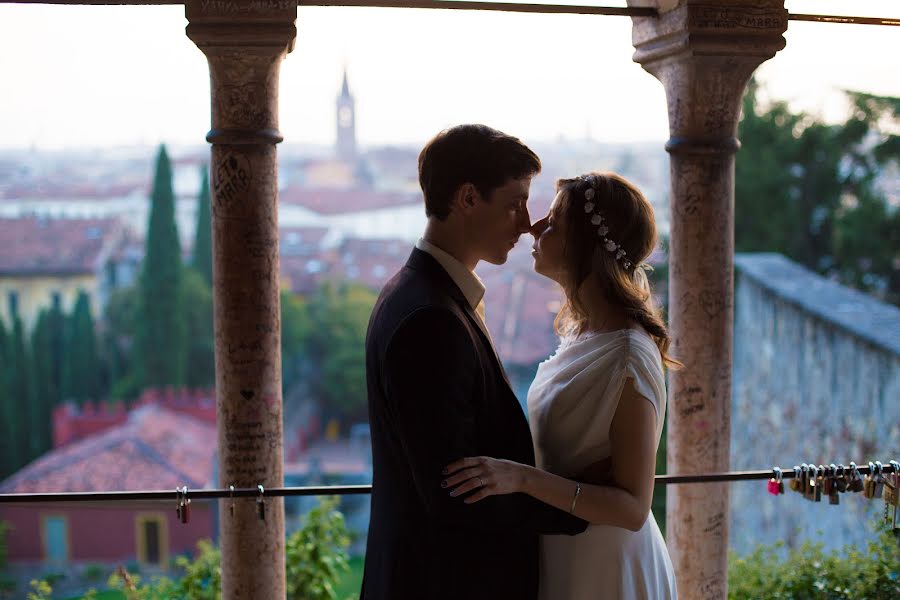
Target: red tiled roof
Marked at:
520, 307
66, 189
33, 245
155, 449
295, 241
329, 201
364, 261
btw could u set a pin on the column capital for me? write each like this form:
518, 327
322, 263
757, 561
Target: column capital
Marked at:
216, 25
709, 28
703, 52
244, 42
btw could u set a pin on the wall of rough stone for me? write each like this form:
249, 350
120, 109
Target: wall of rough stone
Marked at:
806, 389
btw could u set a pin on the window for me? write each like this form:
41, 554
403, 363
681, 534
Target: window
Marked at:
152, 538
55, 534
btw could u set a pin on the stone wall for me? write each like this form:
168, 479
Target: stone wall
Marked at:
816, 380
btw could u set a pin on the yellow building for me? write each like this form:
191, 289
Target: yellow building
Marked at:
47, 261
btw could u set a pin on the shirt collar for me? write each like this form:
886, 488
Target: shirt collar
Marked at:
467, 281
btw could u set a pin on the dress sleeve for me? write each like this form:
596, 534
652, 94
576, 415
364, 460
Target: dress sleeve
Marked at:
644, 367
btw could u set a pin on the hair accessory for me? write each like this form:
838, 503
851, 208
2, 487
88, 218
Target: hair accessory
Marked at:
602, 229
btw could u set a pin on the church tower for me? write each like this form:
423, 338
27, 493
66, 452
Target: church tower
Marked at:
346, 124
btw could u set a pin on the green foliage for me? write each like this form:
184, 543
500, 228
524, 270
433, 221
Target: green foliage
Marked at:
202, 257
202, 578
7, 586
160, 335
197, 305
315, 560
47, 358
295, 331
337, 346
40, 590
18, 398
91, 594
315, 555
120, 321
8, 449
810, 190
812, 574
131, 587
93, 572
81, 364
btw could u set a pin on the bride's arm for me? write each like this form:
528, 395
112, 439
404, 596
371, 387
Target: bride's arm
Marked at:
624, 502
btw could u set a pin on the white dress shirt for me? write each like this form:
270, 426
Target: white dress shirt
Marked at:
467, 281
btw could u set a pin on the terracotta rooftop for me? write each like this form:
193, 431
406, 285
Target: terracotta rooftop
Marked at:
65, 189
300, 241
155, 449
329, 201
34, 246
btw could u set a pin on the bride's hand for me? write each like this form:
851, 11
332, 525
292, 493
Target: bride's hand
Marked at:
487, 476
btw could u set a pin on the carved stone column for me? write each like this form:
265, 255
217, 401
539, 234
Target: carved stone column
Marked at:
245, 43
703, 52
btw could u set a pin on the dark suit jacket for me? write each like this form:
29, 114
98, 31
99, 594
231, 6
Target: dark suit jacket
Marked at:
437, 393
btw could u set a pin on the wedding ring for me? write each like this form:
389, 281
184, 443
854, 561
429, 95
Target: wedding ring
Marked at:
482, 481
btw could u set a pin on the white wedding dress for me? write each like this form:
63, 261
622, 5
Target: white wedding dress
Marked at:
571, 406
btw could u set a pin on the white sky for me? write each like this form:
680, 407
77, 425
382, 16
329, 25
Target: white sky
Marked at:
102, 76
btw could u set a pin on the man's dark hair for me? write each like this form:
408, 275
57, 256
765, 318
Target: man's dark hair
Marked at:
475, 154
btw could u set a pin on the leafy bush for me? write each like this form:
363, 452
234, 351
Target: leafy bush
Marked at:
809, 573
40, 590
315, 555
203, 576
93, 572
315, 559
7, 586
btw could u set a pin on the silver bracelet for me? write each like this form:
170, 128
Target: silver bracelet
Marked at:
575, 498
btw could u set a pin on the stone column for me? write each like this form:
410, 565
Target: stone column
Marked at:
703, 52
245, 43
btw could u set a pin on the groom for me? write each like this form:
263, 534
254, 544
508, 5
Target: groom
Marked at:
437, 391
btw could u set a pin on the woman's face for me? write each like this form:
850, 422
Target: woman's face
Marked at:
549, 243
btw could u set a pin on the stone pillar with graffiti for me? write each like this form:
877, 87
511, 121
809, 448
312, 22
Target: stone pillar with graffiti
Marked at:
703, 52
245, 43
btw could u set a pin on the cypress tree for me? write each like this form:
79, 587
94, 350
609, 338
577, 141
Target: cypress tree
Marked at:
42, 383
8, 451
81, 363
19, 397
202, 258
161, 328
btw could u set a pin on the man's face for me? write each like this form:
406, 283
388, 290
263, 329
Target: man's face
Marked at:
496, 222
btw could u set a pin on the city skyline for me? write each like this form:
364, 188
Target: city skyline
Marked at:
540, 77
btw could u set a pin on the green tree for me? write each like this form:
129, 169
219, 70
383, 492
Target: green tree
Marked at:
200, 371
120, 326
809, 190
295, 332
202, 258
315, 555
45, 392
19, 396
160, 332
337, 347
7, 407
81, 362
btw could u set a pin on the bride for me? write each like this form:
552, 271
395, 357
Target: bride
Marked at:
598, 404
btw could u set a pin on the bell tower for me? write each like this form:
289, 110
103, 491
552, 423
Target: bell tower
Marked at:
346, 123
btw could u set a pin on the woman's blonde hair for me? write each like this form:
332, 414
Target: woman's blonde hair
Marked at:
629, 222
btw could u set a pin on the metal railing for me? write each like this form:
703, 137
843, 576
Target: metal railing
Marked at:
830, 470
